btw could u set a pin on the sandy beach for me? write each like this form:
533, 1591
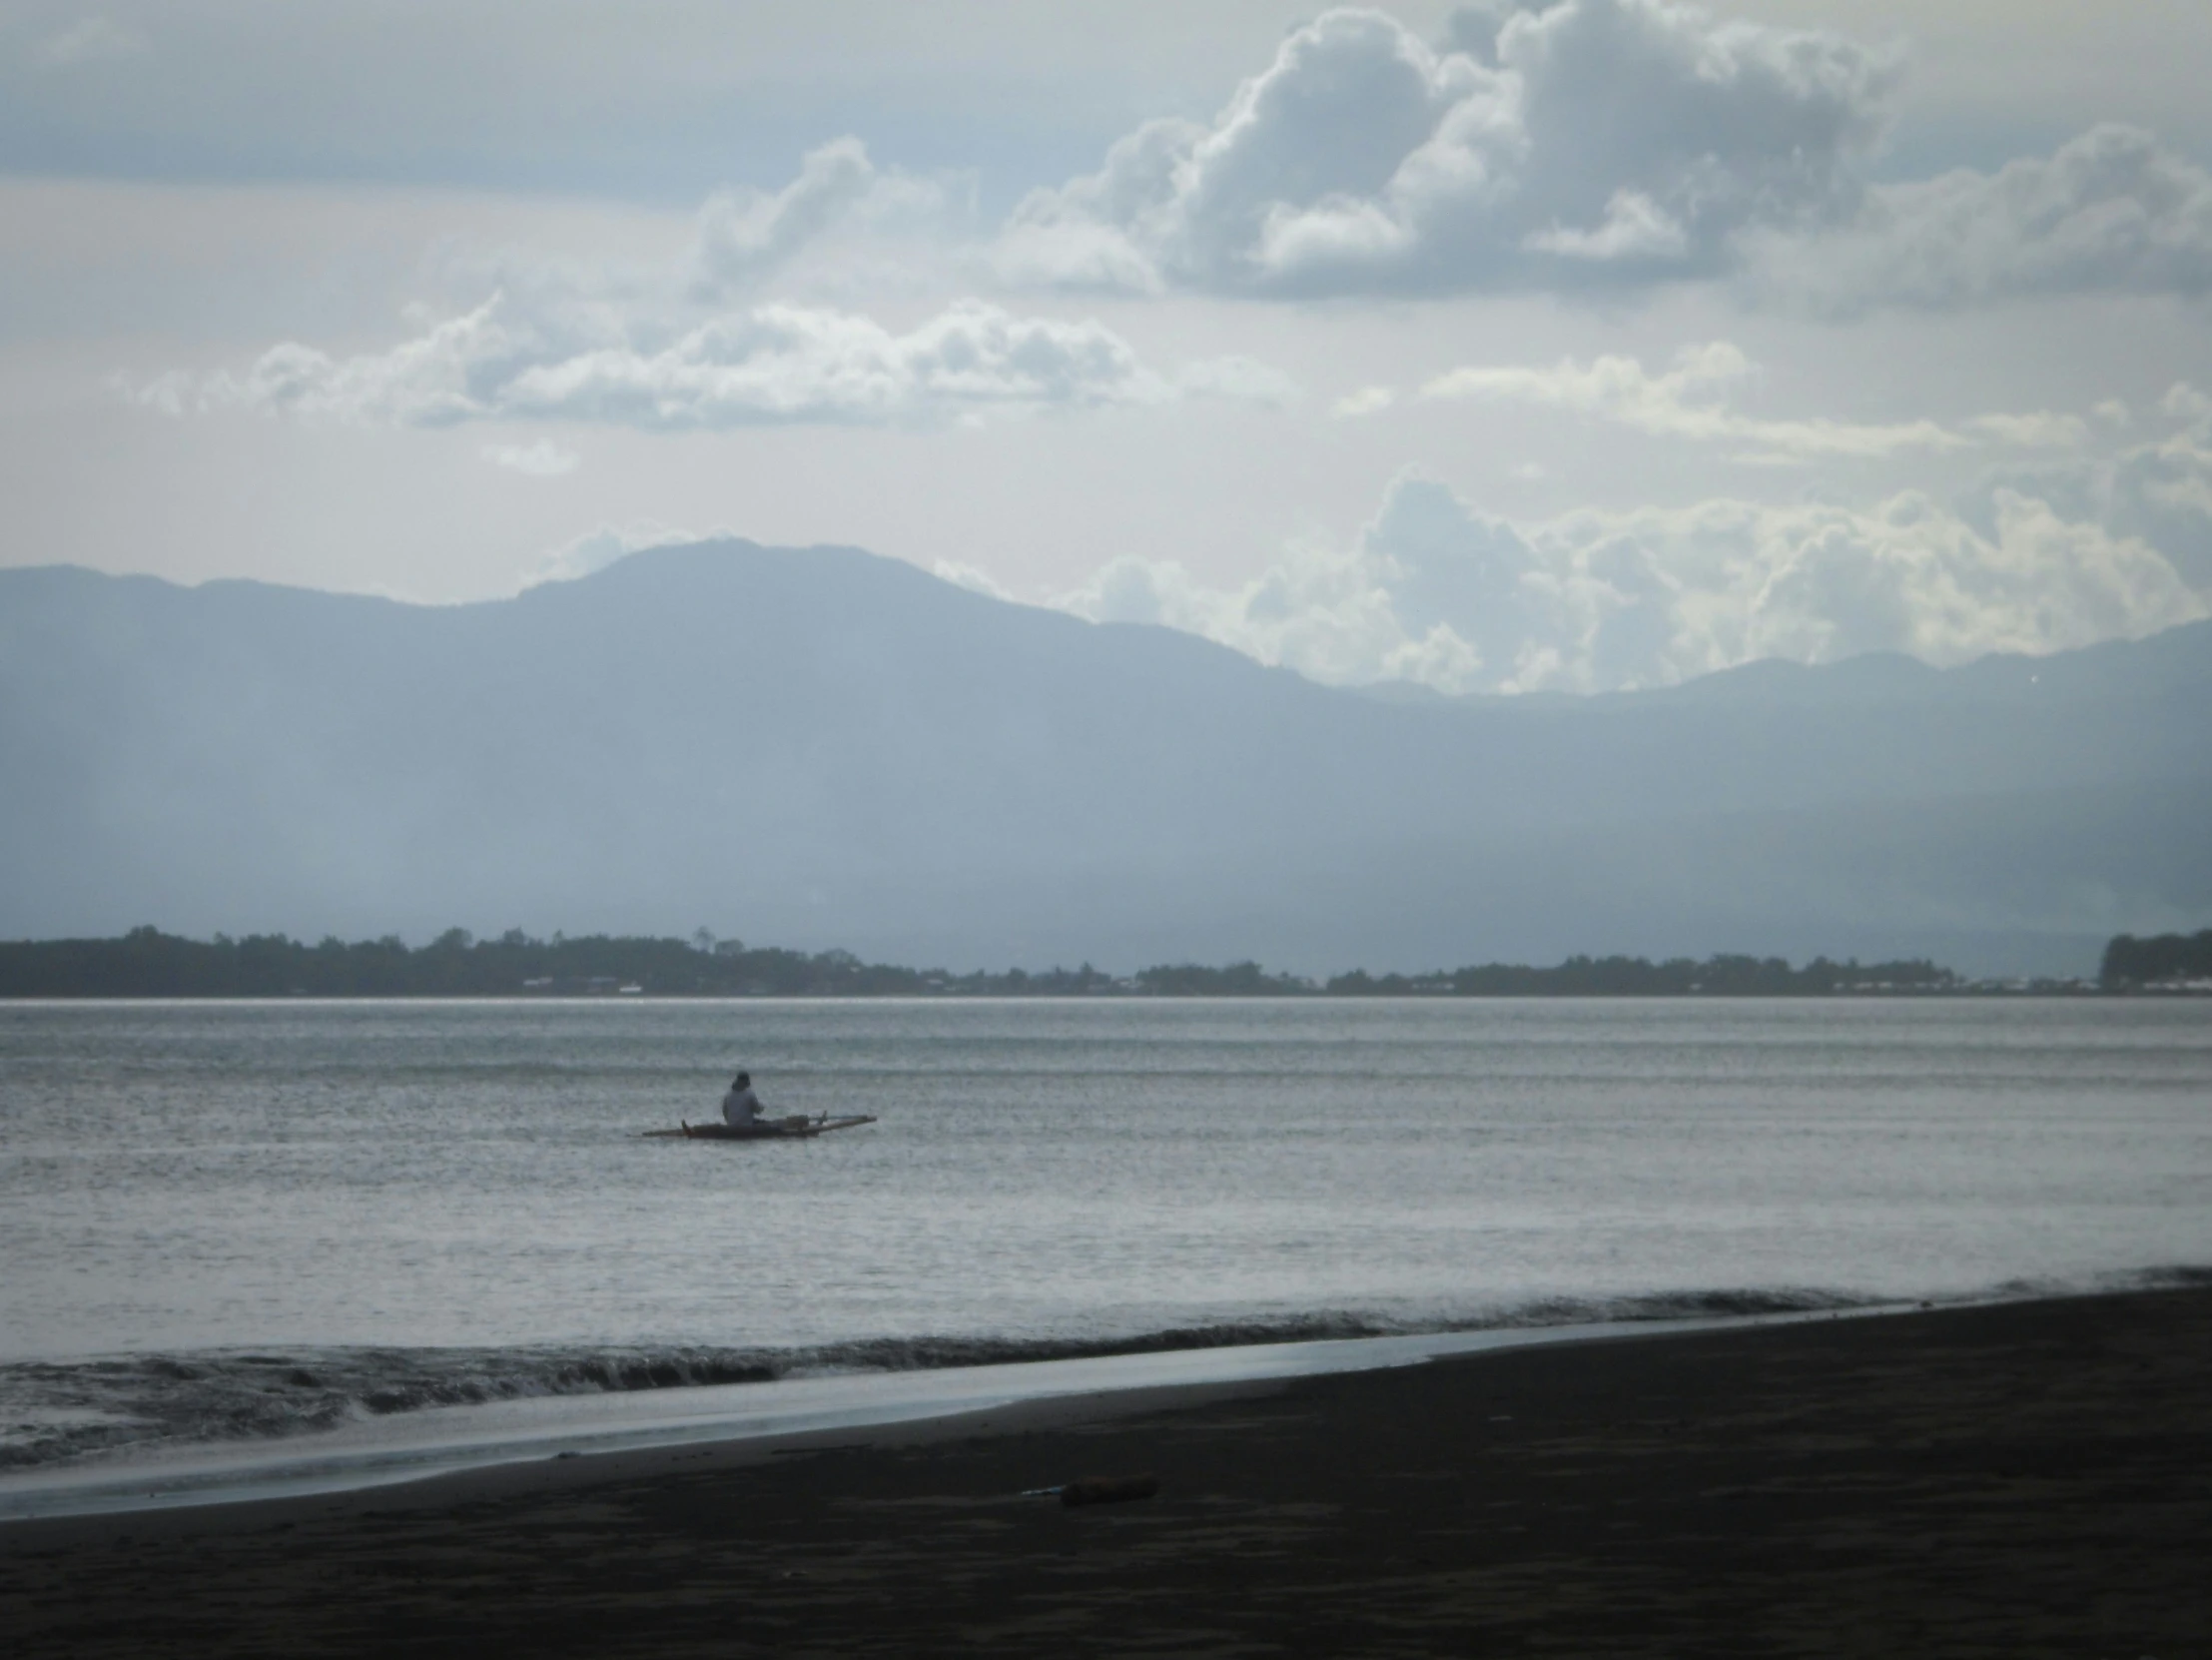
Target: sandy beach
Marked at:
2024, 1479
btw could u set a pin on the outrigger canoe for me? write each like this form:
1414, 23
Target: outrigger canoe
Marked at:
796, 1128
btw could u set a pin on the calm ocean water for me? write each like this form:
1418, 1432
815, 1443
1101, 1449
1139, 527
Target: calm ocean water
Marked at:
247, 1219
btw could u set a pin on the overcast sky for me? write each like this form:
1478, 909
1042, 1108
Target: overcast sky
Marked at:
1503, 347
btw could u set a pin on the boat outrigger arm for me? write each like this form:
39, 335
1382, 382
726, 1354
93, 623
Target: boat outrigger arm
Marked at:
796, 1127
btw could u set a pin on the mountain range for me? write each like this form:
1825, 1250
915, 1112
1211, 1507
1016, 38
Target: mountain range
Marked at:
820, 747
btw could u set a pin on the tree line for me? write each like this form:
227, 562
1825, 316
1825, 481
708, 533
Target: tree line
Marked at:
2162, 960
148, 963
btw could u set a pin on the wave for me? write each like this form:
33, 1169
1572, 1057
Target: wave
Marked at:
62, 1410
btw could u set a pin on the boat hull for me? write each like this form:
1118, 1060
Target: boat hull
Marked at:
797, 1128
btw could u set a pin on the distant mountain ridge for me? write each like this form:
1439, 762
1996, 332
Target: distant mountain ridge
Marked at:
822, 747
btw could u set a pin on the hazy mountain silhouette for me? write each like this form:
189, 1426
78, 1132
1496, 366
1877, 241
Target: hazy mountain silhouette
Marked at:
821, 747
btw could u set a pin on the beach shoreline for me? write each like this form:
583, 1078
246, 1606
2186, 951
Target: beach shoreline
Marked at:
390, 1453
2018, 1479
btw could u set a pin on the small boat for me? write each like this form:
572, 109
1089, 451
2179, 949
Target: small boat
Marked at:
796, 1127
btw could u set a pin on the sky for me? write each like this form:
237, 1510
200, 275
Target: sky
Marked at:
1501, 347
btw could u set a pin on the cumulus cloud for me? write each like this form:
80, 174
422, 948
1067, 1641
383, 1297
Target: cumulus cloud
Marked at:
1439, 593
2157, 492
542, 459
1596, 144
1585, 141
2113, 211
669, 351
770, 365
745, 236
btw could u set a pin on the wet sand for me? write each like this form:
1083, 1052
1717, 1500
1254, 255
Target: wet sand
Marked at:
2023, 1481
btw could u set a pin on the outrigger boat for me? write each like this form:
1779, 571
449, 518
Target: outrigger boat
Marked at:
797, 1126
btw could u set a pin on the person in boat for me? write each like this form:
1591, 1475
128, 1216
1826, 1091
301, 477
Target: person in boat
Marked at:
740, 1108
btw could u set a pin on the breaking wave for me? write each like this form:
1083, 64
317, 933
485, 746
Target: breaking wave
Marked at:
56, 1410
53, 1412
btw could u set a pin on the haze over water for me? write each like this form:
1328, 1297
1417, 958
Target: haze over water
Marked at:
402, 1203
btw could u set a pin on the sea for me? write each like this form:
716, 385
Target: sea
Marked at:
248, 1228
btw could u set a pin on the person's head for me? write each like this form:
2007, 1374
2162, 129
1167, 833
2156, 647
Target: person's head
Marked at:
744, 1081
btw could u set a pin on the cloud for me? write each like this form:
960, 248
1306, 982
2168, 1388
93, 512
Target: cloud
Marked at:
1689, 401
1598, 144
1316, 611
598, 548
745, 236
2186, 404
665, 349
1439, 593
94, 40
1634, 229
767, 365
2036, 429
971, 577
2157, 492
2111, 210
1366, 400
741, 236
1685, 402
542, 459
1590, 141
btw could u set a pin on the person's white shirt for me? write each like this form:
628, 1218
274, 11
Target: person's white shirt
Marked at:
740, 1108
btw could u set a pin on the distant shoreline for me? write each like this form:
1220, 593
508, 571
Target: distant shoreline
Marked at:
1968, 992
146, 963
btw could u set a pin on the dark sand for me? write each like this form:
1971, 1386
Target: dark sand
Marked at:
2023, 1481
